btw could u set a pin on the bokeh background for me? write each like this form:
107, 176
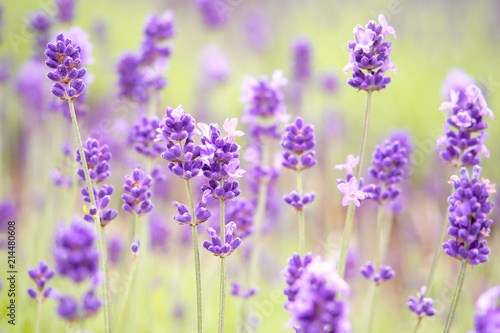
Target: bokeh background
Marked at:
432, 38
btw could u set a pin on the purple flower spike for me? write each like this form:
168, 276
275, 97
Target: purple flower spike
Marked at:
159, 233
296, 200
40, 276
265, 109
65, 10
317, 306
469, 225
421, 306
369, 56
296, 266
385, 273
464, 130
157, 33
103, 198
97, 157
75, 254
115, 247
73, 309
64, 58
213, 14
487, 311
143, 137
241, 211
138, 188
302, 50
298, 141
216, 246
237, 291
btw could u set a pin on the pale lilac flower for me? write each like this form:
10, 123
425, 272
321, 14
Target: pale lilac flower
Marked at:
350, 164
386, 28
351, 192
233, 169
230, 127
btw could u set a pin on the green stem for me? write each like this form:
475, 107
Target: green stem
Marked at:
436, 256
197, 266
350, 210
38, 316
417, 325
378, 254
302, 228
456, 296
131, 275
103, 261
222, 291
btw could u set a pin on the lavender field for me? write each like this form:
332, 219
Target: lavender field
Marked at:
249, 166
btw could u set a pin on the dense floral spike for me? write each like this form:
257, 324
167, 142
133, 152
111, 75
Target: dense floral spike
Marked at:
213, 13
158, 233
138, 188
317, 306
216, 246
296, 266
241, 211
75, 254
385, 273
65, 10
40, 275
469, 225
302, 50
265, 108
464, 130
73, 309
64, 58
298, 141
237, 291
201, 212
369, 56
97, 157
143, 137
299, 201
40, 22
177, 130
131, 78
390, 163
456, 80
103, 198
221, 157
59, 179
157, 31
487, 311
329, 82
115, 249
421, 306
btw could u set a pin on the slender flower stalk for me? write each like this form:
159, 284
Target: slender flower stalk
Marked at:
369, 59
302, 226
378, 253
222, 292
456, 296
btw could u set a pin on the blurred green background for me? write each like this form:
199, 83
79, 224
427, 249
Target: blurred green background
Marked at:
432, 37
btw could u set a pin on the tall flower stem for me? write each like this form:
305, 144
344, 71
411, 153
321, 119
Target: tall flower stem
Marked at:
38, 316
302, 227
131, 275
197, 266
222, 291
350, 210
378, 254
417, 325
456, 296
103, 261
436, 256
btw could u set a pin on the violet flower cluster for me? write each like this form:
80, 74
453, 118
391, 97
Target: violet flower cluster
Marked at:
487, 311
385, 273
102, 198
143, 137
298, 142
421, 306
64, 58
230, 243
138, 193
237, 291
141, 77
241, 211
201, 212
302, 50
65, 10
265, 109
213, 12
40, 276
350, 188
469, 225
369, 56
464, 130
77, 259
296, 266
158, 233
317, 306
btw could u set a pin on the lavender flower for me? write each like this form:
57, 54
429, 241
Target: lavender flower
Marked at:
213, 14
456, 80
202, 214
73, 309
369, 56
351, 191
40, 22
421, 306
158, 233
59, 179
177, 130
296, 266
64, 57
241, 211
97, 157
75, 254
157, 31
103, 198
131, 78
329, 82
115, 247
138, 186
144, 135
40, 276
385, 273
298, 141
317, 306
265, 108
464, 140
487, 311
302, 50
237, 291
216, 246
65, 10
299, 201
469, 225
